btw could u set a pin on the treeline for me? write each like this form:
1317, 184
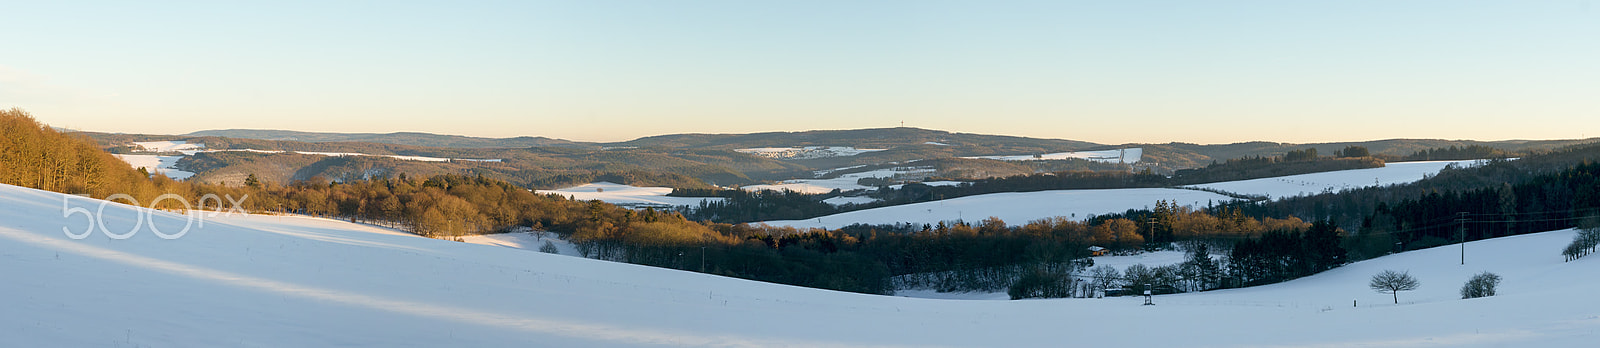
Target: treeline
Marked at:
1274, 256
738, 206
1455, 153
1285, 254
36, 156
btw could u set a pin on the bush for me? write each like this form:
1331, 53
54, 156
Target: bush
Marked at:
549, 248
1481, 285
1040, 284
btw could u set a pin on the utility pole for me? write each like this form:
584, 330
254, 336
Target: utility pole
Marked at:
1463, 222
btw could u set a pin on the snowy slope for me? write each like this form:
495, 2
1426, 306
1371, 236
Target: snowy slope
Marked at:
1315, 183
806, 152
845, 182
1129, 155
1019, 208
1015, 208
169, 146
256, 281
525, 241
627, 195
157, 164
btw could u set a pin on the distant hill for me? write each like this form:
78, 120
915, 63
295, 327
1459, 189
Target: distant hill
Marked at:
862, 138
401, 138
1186, 155
696, 160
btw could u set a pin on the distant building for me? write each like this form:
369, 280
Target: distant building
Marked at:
1098, 251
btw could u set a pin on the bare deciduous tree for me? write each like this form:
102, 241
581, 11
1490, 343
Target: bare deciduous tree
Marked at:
1391, 282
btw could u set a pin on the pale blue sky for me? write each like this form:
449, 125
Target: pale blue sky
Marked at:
1109, 72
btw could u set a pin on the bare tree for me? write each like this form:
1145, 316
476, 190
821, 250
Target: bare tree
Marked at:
1391, 282
1105, 277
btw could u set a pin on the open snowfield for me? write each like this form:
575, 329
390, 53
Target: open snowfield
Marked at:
845, 182
806, 152
1129, 155
170, 146
268, 281
1019, 208
849, 200
627, 195
524, 241
156, 164
1015, 208
1315, 183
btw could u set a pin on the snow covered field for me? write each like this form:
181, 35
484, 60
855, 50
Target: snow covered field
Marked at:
625, 195
1315, 183
1015, 208
170, 146
849, 200
844, 182
1019, 208
526, 240
806, 152
256, 281
1129, 155
156, 164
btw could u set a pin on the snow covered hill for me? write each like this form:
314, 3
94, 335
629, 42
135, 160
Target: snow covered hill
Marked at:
157, 164
266, 281
628, 195
1019, 208
847, 182
1335, 181
805, 152
1128, 155
1015, 208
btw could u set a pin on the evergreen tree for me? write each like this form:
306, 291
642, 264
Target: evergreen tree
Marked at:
252, 181
1202, 270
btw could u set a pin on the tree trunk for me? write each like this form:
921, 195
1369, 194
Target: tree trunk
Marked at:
1396, 296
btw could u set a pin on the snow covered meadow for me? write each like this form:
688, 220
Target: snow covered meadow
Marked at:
1020, 207
1014, 207
1128, 155
846, 182
166, 165
1335, 181
806, 152
626, 195
289, 281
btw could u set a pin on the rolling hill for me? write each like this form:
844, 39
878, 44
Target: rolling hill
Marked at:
289, 281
